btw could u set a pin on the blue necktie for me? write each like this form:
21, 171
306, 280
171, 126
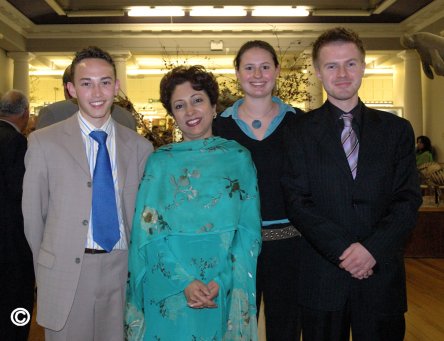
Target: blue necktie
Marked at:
104, 209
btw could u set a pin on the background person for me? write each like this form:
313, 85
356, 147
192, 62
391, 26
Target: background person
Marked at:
77, 169
196, 233
61, 110
354, 202
257, 122
17, 275
424, 151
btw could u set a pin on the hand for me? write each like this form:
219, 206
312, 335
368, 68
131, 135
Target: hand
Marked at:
357, 261
365, 275
214, 289
198, 295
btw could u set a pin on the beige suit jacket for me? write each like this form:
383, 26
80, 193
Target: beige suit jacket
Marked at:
57, 197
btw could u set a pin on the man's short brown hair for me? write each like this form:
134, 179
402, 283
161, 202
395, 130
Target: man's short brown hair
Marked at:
337, 34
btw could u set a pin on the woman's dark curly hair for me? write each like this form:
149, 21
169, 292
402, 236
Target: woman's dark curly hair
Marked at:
199, 78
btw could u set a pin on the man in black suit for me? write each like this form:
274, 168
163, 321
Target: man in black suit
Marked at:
17, 272
354, 220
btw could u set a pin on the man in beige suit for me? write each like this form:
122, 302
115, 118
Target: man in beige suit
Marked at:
80, 281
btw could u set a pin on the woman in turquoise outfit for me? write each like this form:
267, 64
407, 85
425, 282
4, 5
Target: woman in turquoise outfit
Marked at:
196, 233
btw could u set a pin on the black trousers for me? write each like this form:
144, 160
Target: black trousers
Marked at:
365, 324
277, 279
17, 291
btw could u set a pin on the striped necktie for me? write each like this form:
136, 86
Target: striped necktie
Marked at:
350, 143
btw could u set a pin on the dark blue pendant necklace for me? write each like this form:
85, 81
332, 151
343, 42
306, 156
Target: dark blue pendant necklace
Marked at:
256, 124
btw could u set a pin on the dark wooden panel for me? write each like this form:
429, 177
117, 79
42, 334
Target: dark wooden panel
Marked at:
427, 239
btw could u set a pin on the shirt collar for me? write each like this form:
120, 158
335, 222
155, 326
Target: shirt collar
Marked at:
233, 111
87, 127
356, 112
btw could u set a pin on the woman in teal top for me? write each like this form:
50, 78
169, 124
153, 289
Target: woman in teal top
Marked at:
196, 232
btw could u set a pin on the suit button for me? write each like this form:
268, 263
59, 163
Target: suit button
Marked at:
77, 260
85, 222
88, 184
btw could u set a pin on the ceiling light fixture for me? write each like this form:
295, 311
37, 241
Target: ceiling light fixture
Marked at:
225, 11
280, 11
158, 11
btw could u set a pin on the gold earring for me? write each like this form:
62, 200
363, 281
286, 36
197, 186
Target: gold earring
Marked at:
215, 115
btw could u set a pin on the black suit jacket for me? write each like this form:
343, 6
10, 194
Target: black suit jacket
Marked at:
333, 210
13, 245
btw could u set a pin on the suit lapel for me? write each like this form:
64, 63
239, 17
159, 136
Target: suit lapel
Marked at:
123, 152
369, 150
74, 144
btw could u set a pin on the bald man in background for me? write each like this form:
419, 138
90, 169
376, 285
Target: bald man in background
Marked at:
17, 275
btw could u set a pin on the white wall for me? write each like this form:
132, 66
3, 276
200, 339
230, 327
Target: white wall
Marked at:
433, 108
6, 72
377, 88
141, 90
44, 90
